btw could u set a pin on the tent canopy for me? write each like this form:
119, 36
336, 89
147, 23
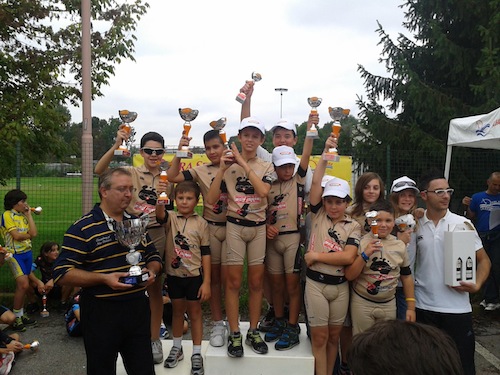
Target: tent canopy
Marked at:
480, 131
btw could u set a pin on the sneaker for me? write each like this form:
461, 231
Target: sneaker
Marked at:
18, 325
6, 362
174, 357
483, 303
492, 306
255, 341
234, 345
289, 338
267, 320
344, 370
157, 350
164, 334
27, 321
218, 335
197, 365
276, 330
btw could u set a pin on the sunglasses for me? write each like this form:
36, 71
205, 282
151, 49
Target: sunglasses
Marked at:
405, 183
157, 151
440, 192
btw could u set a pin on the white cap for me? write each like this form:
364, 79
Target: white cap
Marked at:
285, 124
403, 183
325, 179
284, 155
253, 122
336, 187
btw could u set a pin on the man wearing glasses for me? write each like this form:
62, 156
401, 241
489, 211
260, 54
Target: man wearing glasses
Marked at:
114, 315
145, 178
438, 304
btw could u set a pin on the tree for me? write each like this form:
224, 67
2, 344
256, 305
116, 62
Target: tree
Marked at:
40, 67
449, 68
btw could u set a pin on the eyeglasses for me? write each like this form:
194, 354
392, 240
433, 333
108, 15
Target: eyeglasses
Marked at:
440, 192
405, 183
124, 189
157, 151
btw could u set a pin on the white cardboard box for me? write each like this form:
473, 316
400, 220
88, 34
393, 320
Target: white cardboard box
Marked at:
459, 255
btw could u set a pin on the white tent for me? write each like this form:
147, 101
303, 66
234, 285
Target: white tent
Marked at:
480, 131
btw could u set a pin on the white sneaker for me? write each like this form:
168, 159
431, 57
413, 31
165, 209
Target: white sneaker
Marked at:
6, 361
483, 303
157, 349
218, 335
492, 306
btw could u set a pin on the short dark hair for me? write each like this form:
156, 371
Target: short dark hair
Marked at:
152, 136
12, 198
187, 187
401, 347
430, 175
211, 134
106, 176
382, 205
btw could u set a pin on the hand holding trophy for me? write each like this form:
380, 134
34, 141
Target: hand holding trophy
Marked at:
163, 198
127, 118
337, 114
242, 96
314, 102
372, 217
188, 115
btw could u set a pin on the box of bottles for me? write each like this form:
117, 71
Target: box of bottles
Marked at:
459, 255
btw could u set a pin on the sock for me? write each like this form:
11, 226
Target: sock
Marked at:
178, 342
196, 349
18, 313
235, 334
218, 322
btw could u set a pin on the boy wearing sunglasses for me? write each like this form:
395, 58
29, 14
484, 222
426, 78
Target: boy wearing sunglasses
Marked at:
145, 179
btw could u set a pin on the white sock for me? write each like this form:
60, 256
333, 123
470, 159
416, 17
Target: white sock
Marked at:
178, 342
196, 349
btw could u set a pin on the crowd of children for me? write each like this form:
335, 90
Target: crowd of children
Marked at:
358, 264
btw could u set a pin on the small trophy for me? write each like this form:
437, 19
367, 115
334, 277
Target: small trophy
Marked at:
337, 114
241, 97
372, 217
130, 233
44, 313
33, 346
127, 117
36, 210
188, 115
219, 125
163, 198
314, 102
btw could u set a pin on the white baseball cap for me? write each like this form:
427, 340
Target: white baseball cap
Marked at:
285, 124
253, 122
336, 187
284, 155
403, 183
325, 179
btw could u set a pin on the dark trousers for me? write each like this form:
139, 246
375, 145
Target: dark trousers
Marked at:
491, 243
112, 327
459, 328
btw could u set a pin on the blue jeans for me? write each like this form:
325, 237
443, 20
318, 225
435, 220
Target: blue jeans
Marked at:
491, 243
401, 305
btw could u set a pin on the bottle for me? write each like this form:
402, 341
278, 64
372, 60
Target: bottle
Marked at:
468, 269
459, 269
36, 210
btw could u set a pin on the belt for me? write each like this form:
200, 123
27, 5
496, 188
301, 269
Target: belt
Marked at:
325, 278
245, 223
216, 223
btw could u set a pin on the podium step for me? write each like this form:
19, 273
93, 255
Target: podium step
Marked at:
298, 360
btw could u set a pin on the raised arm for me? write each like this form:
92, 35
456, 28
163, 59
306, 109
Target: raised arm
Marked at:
103, 163
319, 172
308, 143
174, 172
247, 89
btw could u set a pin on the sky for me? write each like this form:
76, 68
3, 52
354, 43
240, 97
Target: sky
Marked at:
198, 54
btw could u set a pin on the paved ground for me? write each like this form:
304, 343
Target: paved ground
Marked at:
60, 354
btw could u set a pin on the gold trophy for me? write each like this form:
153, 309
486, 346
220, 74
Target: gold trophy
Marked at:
372, 217
314, 102
241, 97
219, 125
188, 115
127, 117
337, 114
163, 198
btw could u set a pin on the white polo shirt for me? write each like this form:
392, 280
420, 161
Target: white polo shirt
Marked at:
431, 292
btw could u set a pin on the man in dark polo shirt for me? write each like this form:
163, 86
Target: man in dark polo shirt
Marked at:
115, 316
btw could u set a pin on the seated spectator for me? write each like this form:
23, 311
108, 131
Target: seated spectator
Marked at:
72, 317
402, 347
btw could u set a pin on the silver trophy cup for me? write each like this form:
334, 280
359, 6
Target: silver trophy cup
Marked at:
314, 102
241, 97
130, 233
127, 118
188, 115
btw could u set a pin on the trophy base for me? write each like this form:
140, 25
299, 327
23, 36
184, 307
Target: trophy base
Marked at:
121, 152
44, 313
182, 154
136, 279
241, 97
163, 202
313, 135
331, 157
